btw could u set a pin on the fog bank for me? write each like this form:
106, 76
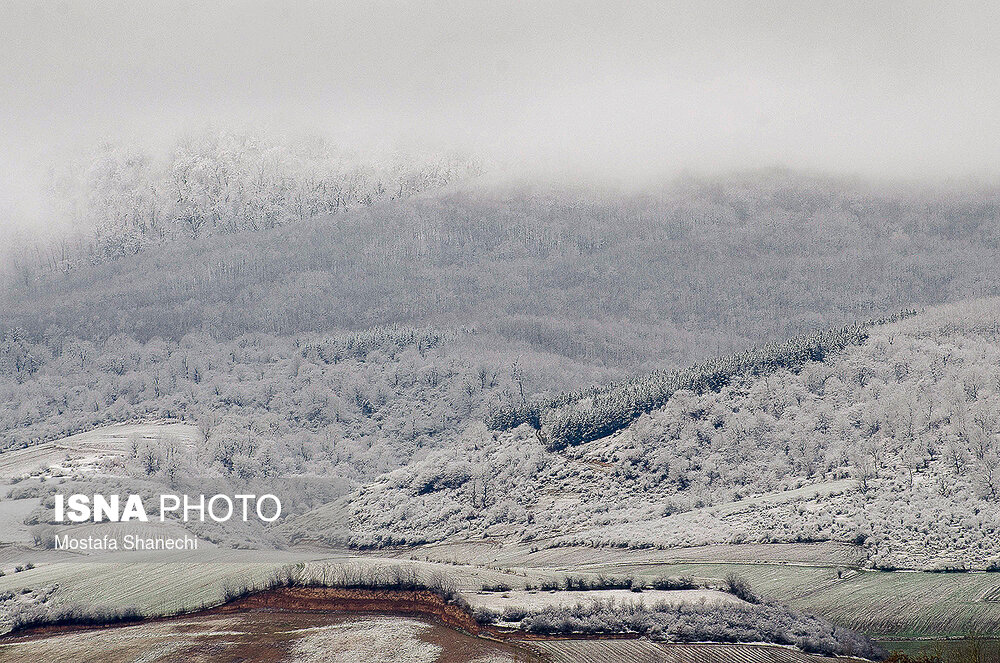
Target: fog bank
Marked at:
560, 88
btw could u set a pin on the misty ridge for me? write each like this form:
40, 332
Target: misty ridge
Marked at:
309, 239
250, 239
321, 317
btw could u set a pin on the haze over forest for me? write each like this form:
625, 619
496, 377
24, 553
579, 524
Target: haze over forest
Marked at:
577, 91
628, 189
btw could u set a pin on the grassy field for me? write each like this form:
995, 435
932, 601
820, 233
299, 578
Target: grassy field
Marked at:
885, 605
898, 605
498, 554
644, 651
882, 604
820, 578
910, 604
153, 588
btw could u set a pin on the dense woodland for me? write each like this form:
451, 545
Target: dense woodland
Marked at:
369, 343
569, 419
633, 281
352, 405
893, 445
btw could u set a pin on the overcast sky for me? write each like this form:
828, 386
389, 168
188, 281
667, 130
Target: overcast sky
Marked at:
610, 89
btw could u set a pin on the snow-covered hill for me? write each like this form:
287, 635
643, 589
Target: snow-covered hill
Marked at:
893, 445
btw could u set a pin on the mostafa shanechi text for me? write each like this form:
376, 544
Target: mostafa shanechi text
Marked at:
129, 542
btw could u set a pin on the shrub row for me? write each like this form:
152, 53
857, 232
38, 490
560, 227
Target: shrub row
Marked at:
700, 622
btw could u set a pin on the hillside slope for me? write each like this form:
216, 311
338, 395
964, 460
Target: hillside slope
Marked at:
893, 445
634, 280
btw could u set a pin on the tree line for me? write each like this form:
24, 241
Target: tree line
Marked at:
574, 418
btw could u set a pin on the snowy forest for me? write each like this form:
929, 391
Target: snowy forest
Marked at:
119, 197
452, 337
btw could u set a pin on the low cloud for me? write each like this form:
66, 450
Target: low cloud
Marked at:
561, 88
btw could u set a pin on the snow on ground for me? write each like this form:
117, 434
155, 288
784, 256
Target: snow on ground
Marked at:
537, 600
12, 515
84, 451
367, 640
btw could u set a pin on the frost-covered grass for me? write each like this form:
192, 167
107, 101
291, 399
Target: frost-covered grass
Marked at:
614, 651
368, 640
876, 602
146, 588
